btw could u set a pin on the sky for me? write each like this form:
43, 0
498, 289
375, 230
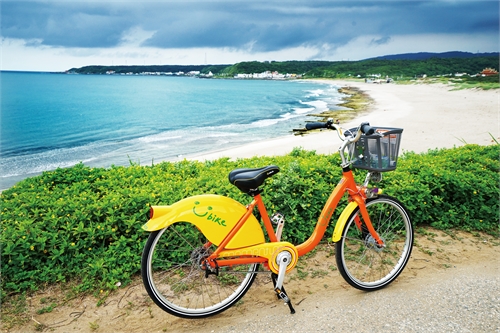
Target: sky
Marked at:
59, 35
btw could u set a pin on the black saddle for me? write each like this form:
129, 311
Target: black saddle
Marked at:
250, 179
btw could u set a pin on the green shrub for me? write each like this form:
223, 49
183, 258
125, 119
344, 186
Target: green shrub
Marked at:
450, 188
84, 224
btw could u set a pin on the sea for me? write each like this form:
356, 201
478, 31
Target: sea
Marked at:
52, 120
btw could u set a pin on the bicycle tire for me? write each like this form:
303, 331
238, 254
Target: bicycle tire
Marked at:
360, 261
173, 278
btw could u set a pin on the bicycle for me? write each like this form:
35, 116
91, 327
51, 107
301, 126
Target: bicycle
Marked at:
204, 252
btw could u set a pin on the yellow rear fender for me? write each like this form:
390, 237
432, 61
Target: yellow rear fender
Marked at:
213, 215
341, 222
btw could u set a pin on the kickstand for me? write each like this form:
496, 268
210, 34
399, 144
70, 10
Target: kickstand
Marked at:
281, 293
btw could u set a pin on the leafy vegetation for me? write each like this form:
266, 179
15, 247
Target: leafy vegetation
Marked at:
83, 225
405, 68
147, 68
297, 67
450, 188
485, 83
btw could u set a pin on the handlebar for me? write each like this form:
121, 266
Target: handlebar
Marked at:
365, 128
348, 137
312, 126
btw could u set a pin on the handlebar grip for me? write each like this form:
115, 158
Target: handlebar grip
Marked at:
366, 129
311, 126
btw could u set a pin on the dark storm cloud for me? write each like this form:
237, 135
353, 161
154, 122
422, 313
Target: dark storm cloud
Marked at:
250, 25
80, 25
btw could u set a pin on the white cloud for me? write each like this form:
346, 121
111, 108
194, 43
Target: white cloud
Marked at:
59, 35
31, 56
363, 47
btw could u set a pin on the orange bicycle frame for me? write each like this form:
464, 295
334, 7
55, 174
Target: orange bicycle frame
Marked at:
346, 184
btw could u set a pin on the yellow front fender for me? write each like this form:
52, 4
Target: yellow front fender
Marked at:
339, 227
213, 215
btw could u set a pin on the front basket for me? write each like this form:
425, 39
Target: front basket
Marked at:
376, 152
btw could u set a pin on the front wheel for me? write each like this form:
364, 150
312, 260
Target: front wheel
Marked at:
175, 280
361, 262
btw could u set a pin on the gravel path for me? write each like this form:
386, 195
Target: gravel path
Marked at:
455, 300
451, 284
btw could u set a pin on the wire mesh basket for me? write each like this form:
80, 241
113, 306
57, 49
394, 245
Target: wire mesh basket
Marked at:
377, 152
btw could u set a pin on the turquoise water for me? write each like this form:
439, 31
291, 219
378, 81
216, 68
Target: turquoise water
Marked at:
58, 120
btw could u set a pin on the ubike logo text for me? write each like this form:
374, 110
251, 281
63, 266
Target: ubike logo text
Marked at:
208, 215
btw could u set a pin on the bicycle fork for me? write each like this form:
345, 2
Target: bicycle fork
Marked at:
367, 222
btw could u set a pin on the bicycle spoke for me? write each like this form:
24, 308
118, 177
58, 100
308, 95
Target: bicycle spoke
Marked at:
176, 282
361, 261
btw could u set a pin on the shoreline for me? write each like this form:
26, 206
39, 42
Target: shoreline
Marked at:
432, 116
356, 105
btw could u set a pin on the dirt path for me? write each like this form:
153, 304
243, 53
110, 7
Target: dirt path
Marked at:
450, 284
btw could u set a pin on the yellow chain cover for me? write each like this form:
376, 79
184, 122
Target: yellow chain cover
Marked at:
267, 250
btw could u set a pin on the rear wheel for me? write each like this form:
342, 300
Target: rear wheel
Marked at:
360, 261
175, 281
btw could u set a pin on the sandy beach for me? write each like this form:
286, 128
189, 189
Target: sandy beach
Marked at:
431, 115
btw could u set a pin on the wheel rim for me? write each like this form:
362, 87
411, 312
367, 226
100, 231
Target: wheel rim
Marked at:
179, 283
365, 263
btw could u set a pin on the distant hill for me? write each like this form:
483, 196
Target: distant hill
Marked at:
146, 68
428, 55
401, 65
431, 66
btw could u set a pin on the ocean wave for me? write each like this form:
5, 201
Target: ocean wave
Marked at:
217, 119
28, 165
162, 137
318, 105
303, 110
218, 134
314, 93
50, 160
265, 122
273, 121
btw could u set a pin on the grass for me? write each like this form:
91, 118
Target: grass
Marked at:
93, 326
14, 311
481, 83
47, 309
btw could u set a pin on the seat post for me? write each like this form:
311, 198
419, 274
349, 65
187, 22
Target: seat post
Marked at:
255, 192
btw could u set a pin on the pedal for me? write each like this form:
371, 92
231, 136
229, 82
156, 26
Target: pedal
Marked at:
283, 259
282, 294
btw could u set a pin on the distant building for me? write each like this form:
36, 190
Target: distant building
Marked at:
489, 71
267, 75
